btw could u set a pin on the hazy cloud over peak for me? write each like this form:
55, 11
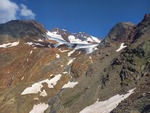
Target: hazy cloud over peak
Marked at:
10, 11
26, 12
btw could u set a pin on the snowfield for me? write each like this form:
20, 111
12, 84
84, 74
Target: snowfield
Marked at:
108, 105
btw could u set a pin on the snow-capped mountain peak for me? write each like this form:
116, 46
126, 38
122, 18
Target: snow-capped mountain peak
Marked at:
79, 40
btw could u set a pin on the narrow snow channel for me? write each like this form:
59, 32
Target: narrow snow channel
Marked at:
70, 61
71, 52
108, 105
31, 52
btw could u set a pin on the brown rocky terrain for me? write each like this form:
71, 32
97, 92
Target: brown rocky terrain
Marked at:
99, 75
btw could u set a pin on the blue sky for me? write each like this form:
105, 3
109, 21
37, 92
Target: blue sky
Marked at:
95, 17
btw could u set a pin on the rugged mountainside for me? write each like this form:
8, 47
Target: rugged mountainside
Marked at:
60, 72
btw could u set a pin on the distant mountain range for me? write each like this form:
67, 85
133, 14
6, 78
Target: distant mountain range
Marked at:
55, 71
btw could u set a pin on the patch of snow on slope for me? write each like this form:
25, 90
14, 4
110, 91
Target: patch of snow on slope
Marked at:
96, 39
29, 43
57, 55
90, 57
73, 39
40, 40
69, 85
70, 61
34, 44
63, 50
36, 87
9, 45
89, 39
43, 93
108, 105
65, 72
39, 108
38, 44
31, 52
22, 78
36, 98
71, 52
56, 37
121, 47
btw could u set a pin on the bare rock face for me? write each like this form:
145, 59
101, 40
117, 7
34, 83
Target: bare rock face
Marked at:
120, 31
18, 29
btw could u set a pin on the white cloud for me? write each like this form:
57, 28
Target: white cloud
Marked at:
10, 11
27, 13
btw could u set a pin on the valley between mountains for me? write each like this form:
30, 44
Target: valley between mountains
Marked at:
56, 71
